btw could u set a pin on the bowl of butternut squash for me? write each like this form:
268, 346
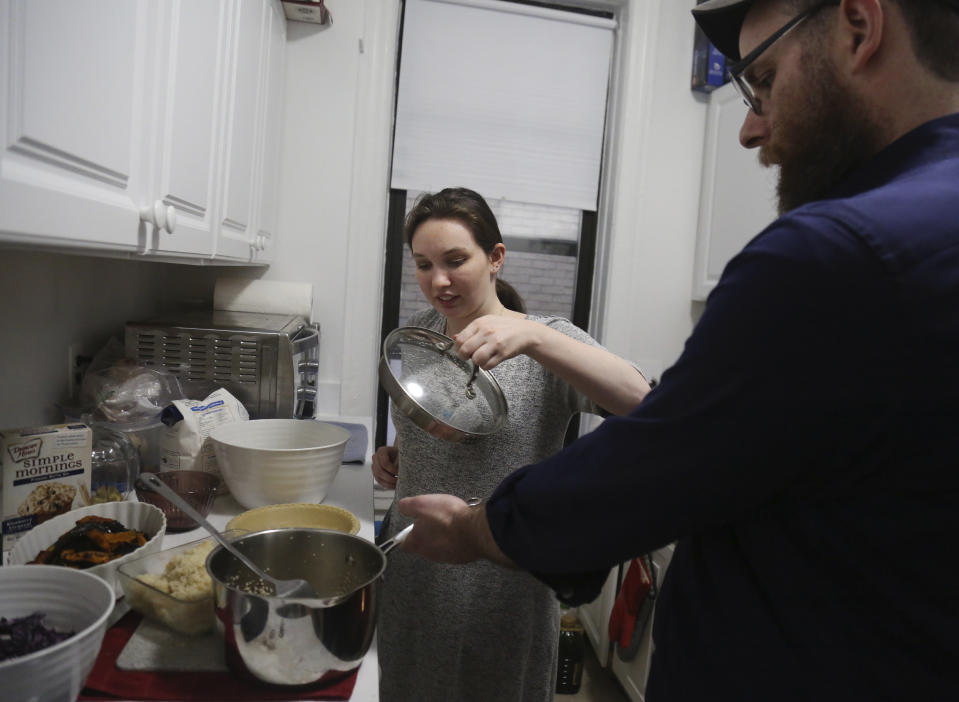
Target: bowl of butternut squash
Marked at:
97, 538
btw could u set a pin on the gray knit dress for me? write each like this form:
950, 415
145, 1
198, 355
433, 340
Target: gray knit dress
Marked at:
476, 632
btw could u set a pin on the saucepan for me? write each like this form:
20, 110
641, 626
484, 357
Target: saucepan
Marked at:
291, 641
444, 395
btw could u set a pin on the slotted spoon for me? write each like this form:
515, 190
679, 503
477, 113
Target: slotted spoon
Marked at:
295, 587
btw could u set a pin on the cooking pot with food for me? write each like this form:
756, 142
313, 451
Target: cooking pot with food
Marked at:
292, 641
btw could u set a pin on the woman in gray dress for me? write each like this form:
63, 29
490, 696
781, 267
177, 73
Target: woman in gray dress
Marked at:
481, 632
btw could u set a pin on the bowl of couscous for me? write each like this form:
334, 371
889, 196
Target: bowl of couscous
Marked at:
172, 586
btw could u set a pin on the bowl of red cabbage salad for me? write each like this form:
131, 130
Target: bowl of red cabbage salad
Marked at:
23, 635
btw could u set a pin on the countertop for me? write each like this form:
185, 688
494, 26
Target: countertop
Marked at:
352, 490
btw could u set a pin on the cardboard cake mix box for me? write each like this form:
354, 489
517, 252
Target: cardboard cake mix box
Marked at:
45, 472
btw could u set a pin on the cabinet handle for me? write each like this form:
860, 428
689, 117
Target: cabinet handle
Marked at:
160, 216
257, 243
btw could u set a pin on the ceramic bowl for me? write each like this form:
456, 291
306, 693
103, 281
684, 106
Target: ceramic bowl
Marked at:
70, 600
133, 515
305, 515
277, 461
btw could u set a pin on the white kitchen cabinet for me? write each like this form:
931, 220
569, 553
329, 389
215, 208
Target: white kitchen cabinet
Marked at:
633, 674
270, 169
73, 116
242, 118
137, 127
738, 195
188, 77
248, 212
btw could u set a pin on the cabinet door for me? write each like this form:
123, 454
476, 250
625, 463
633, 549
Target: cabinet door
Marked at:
245, 110
72, 117
269, 175
738, 196
634, 673
189, 78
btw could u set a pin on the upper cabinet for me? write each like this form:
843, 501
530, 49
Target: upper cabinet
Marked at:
738, 195
141, 127
188, 81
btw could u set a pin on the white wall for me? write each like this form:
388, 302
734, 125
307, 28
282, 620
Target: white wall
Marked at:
50, 302
333, 190
334, 187
643, 303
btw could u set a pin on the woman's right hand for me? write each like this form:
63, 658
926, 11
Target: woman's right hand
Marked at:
386, 466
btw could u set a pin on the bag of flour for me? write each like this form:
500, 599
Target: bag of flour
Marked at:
186, 443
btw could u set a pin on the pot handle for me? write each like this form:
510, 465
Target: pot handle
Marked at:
390, 544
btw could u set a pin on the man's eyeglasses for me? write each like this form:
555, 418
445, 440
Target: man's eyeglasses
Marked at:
737, 70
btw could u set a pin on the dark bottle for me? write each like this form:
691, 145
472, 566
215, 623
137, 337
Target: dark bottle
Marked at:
572, 651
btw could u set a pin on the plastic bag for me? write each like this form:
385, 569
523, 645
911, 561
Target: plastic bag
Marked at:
122, 391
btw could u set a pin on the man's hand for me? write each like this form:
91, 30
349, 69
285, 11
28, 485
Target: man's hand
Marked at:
449, 531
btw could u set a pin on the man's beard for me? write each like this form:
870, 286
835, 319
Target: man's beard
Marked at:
824, 137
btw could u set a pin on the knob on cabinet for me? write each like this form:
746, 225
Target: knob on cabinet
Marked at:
160, 216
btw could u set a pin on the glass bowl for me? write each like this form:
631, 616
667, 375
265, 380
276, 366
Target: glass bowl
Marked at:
197, 487
176, 590
115, 466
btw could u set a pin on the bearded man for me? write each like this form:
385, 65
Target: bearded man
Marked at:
803, 452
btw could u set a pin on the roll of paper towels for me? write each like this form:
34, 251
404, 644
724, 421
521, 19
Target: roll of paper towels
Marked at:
267, 296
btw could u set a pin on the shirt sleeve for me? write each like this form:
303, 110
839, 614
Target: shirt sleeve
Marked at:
762, 407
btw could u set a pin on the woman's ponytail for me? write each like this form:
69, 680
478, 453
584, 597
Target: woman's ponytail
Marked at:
507, 295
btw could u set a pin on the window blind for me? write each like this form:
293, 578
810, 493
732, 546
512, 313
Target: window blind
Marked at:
507, 99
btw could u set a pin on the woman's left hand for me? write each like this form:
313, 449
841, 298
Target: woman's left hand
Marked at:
492, 339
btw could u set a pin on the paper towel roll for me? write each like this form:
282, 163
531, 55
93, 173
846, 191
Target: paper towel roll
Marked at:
267, 296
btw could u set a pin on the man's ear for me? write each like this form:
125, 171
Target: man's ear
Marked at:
861, 25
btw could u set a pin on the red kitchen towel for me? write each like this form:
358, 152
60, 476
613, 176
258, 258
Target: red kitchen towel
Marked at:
107, 682
636, 587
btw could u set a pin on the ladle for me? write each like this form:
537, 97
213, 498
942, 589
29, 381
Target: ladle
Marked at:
296, 587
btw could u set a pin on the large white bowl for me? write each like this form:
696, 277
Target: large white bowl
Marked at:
71, 600
133, 515
274, 461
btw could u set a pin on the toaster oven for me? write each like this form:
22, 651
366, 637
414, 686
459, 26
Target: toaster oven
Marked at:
269, 362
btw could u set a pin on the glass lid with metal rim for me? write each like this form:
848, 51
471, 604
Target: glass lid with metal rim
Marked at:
441, 393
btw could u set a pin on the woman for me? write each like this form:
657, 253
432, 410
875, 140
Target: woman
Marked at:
480, 632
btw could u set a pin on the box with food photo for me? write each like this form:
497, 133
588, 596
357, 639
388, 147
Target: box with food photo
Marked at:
45, 473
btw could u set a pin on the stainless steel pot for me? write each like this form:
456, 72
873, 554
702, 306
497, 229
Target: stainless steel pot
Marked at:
444, 395
288, 641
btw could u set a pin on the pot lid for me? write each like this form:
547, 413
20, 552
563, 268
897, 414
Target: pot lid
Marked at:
431, 385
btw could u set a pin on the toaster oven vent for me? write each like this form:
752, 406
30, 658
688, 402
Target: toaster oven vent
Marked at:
212, 358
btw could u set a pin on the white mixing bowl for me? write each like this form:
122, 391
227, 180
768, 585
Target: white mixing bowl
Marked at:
133, 515
274, 461
70, 600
